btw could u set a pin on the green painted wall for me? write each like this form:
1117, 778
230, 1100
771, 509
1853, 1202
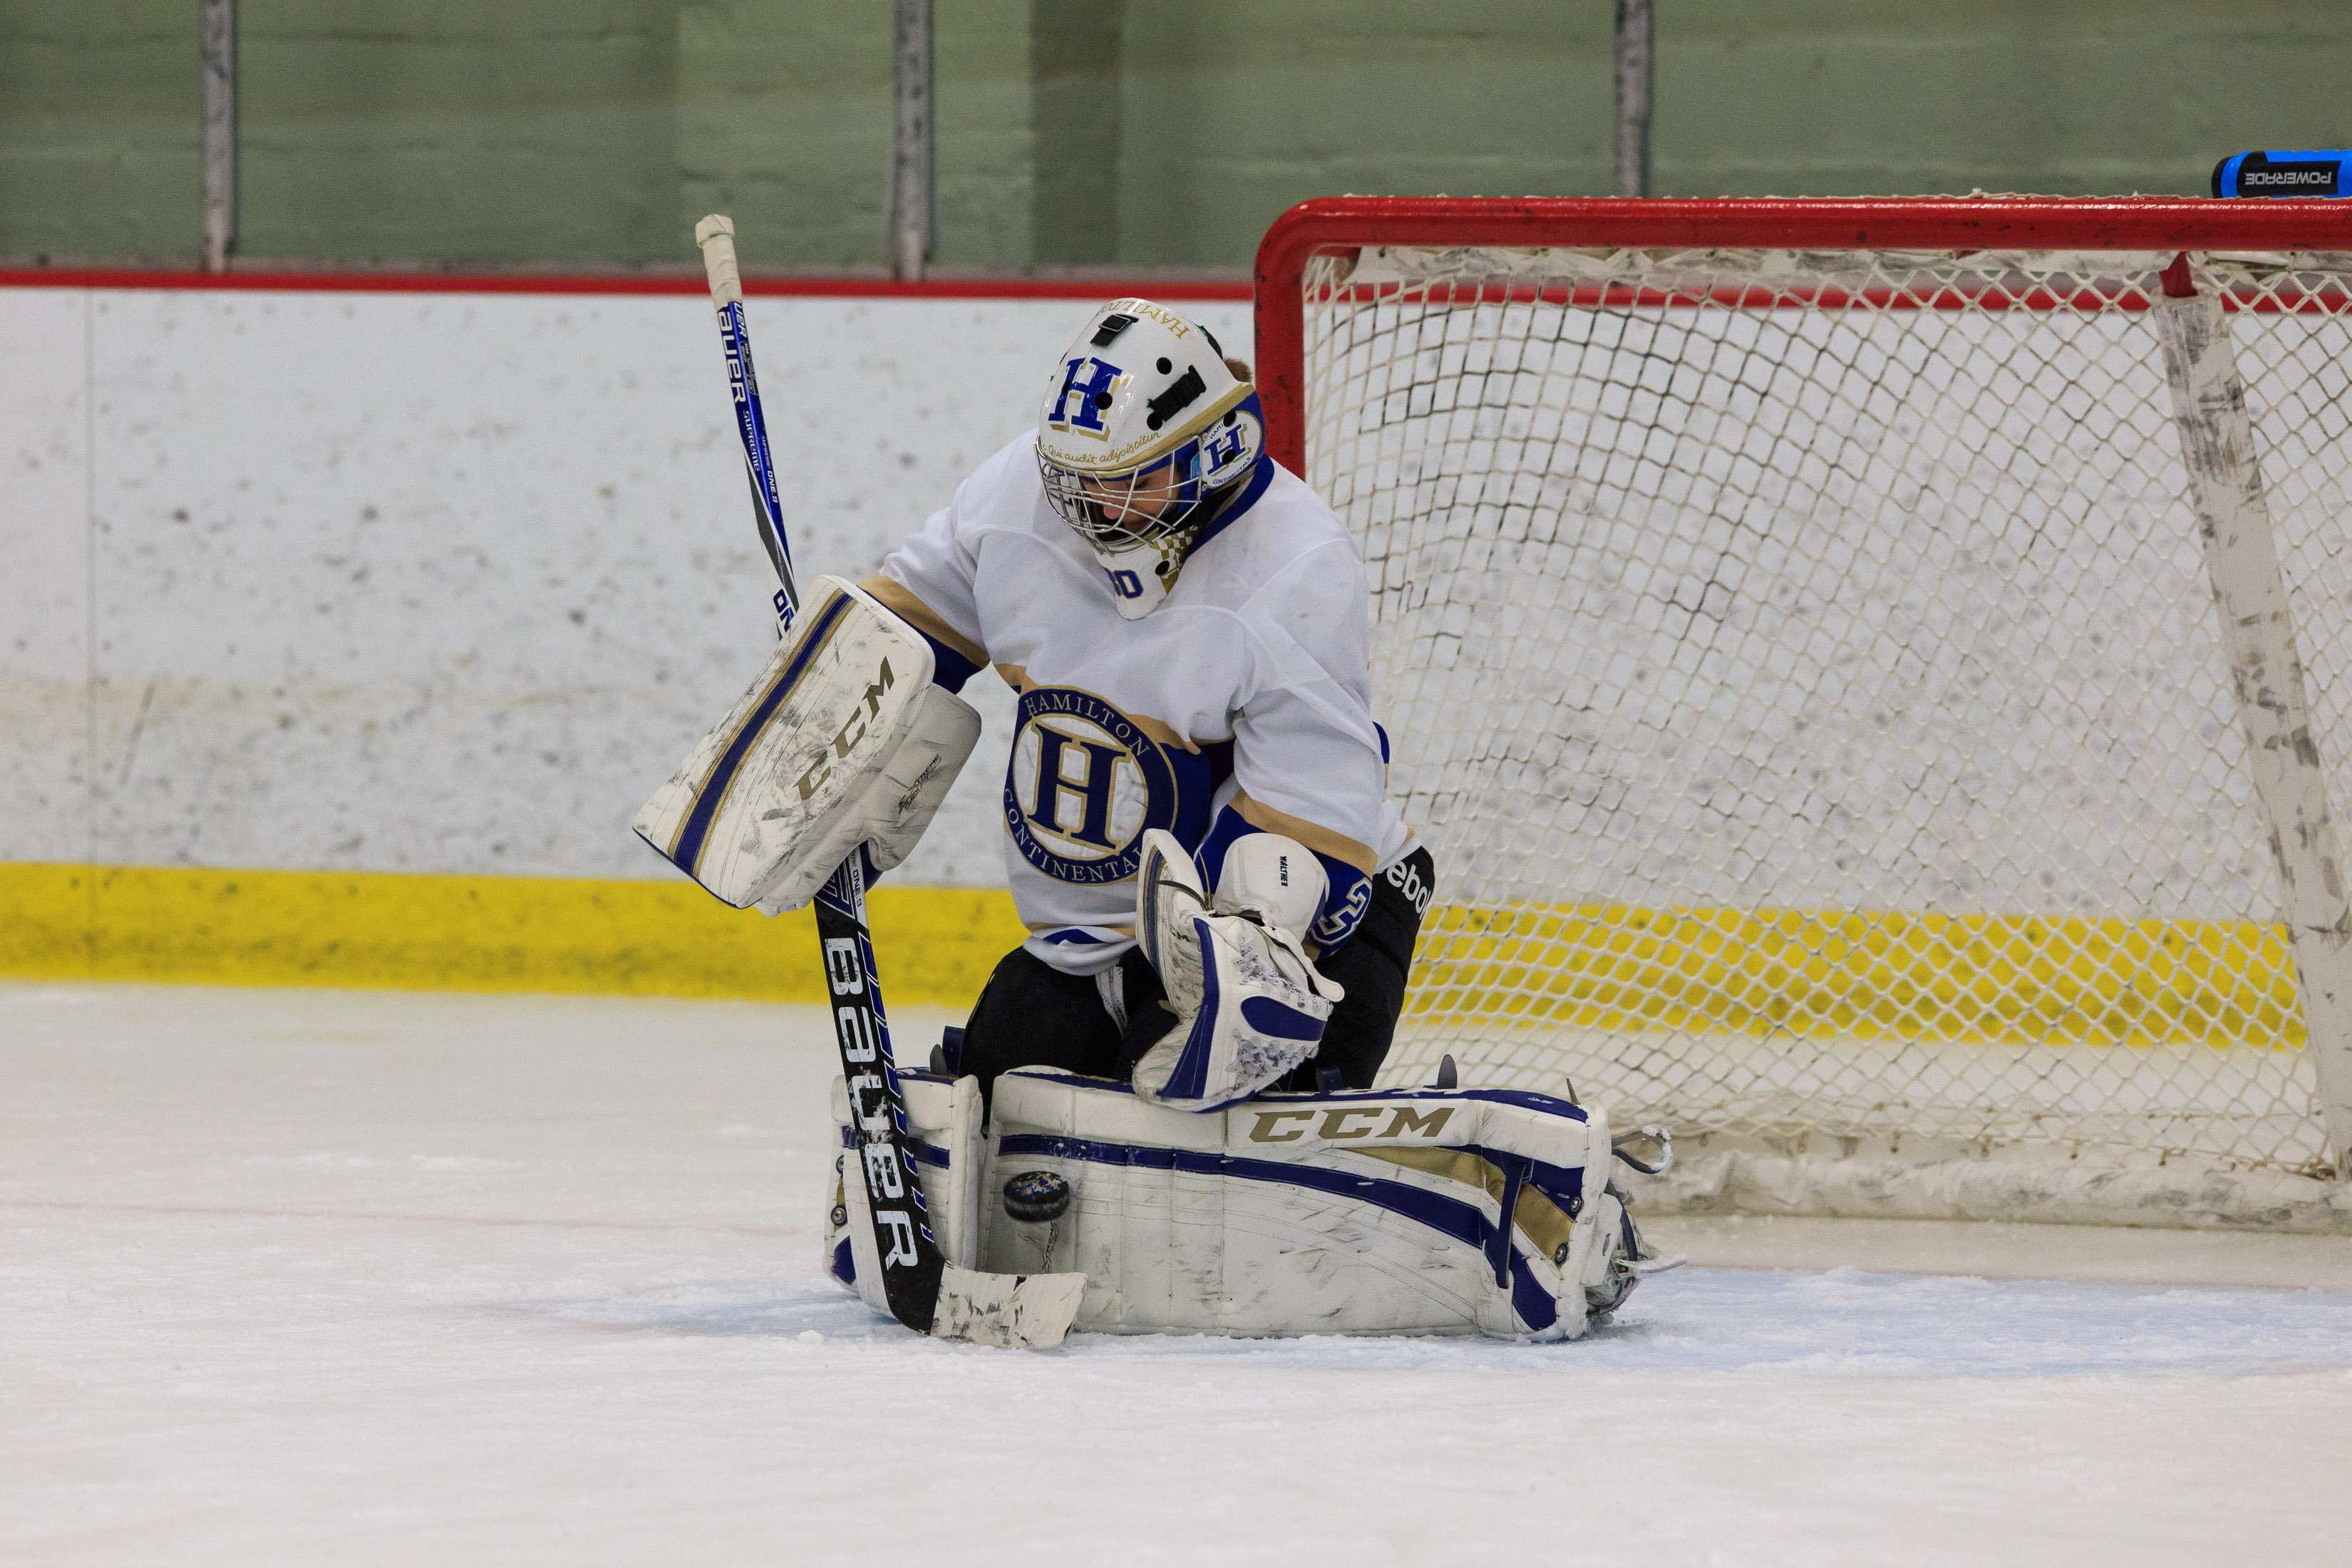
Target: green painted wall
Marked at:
100, 106
1084, 133
456, 132
1233, 110
2062, 96
784, 123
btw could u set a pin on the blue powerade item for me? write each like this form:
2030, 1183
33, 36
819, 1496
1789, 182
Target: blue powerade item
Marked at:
2317, 172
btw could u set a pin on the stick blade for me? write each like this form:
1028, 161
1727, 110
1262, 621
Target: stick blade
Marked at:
1023, 1311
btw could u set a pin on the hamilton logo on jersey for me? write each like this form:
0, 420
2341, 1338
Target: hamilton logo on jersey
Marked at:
1084, 783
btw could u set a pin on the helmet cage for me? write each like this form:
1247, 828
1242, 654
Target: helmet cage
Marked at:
1100, 506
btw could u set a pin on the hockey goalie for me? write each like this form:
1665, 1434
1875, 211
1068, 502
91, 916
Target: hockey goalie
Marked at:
1168, 1087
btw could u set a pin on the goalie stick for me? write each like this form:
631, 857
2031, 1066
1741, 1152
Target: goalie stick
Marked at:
716, 236
925, 1291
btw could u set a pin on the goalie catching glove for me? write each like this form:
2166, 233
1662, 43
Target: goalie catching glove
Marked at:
1249, 1005
842, 740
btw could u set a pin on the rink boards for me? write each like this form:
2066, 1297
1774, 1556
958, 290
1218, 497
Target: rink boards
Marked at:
348, 628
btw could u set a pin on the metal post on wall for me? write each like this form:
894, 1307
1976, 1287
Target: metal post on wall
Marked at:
219, 35
912, 207
1636, 72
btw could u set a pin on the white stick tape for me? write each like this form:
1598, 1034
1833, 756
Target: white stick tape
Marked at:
716, 234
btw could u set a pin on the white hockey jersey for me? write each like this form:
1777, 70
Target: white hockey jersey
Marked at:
1249, 686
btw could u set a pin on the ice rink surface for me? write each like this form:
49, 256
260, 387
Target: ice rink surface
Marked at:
300, 1278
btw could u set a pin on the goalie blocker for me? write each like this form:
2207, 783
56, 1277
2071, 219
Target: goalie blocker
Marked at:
842, 740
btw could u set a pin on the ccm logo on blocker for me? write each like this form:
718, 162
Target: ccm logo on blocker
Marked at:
853, 730
1271, 1126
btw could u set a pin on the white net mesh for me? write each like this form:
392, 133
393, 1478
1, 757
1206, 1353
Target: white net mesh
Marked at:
1804, 670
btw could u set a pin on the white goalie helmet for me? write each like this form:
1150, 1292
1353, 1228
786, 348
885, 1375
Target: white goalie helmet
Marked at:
1145, 427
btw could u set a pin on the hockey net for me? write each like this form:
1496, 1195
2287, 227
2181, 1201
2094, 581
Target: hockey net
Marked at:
1805, 668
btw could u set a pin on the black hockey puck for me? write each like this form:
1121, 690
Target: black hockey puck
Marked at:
1036, 1195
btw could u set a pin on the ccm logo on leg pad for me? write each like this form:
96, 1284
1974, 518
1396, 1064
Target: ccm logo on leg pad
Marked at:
1346, 1123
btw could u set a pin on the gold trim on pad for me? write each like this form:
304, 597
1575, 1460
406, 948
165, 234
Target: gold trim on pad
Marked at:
1544, 1222
1453, 1164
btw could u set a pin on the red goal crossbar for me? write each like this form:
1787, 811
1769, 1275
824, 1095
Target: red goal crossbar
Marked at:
1339, 226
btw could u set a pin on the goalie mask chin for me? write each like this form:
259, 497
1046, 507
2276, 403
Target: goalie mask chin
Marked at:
1145, 428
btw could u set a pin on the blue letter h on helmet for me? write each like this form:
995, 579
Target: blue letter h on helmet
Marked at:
1093, 396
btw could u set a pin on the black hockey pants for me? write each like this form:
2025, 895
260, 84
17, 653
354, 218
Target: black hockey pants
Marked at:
1032, 1015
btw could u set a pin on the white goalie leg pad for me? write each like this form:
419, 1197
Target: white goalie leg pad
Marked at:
943, 1122
842, 740
1249, 1006
1371, 1211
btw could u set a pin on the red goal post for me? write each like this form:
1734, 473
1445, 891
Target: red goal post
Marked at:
1621, 468
1342, 226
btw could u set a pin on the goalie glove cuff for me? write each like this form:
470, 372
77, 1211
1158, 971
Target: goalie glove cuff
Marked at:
1236, 859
